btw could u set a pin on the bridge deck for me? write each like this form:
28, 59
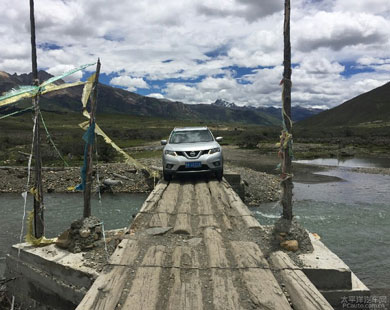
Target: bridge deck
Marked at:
191, 246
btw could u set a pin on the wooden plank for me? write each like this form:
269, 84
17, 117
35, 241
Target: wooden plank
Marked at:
125, 254
304, 295
251, 222
207, 221
107, 288
183, 224
186, 292
183, 219
233, 198
236, 203
218, 195
226, 221
153, 197
264, 291
203, 206
221, 203
144, 292
168, 201
215, 249
105, 292
203, 199
165, 206
225, 295
185, 204
154, 256
159, 220
248, 255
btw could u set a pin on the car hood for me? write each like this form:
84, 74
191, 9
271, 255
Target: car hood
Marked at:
185, 147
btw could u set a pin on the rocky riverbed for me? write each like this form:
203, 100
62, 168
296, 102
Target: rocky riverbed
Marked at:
259, 186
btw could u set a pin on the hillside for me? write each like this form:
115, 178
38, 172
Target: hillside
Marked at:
372, 106
115, 100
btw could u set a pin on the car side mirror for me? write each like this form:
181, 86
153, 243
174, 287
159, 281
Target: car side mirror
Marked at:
163, 142
218, 139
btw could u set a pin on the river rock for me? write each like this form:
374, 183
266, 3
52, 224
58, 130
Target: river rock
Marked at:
84, 233
290, 245
64, 240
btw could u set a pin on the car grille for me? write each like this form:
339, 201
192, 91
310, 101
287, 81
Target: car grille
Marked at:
192, 154
203, 167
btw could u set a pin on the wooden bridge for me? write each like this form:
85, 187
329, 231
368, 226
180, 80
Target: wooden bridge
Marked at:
195, 245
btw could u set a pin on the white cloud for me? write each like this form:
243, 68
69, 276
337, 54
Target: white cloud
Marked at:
372, 6
156, 95
59, 69
196, 46
337, 30
129, 82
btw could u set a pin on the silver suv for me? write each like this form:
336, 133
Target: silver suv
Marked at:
192, 150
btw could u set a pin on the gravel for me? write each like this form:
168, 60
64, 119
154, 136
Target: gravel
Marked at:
61, 180
259, 186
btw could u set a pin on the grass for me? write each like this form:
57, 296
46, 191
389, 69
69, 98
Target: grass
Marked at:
125, 130
131, 131
147, 154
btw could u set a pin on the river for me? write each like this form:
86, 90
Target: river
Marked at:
60, 211
352, 217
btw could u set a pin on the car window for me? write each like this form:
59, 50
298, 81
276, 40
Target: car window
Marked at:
191, 136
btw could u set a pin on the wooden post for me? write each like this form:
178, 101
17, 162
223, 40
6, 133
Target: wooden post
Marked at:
286, 183
39, 226
88, 182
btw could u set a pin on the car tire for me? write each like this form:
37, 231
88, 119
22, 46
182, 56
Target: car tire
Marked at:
167, 176
219, 175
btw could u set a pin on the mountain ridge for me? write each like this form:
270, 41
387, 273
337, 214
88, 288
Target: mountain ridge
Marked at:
372, 106
116, 100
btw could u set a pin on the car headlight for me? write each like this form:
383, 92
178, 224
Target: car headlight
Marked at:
215, 150
169, 152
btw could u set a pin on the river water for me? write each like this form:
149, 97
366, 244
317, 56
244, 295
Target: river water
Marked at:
61, 210
351, 216
362, 162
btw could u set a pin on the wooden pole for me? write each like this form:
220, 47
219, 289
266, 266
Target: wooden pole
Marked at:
287, 184
88, 182
39, 226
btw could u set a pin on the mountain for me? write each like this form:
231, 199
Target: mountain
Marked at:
224, 103
115, 100
298, 113
8, 81
372, 106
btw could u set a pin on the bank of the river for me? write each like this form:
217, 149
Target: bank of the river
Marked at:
259, 186
61, 180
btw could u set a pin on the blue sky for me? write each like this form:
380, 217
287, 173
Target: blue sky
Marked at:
199, 51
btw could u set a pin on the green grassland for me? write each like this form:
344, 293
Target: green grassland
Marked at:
129, 131
125, 130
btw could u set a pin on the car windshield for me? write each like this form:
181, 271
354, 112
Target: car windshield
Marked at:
191, 136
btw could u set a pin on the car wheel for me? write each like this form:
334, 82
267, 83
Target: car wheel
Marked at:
219, 175
167, 176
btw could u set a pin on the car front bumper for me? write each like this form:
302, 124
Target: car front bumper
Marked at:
177, 164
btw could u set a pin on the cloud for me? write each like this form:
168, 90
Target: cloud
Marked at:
378, 7
156, 95
338, 30
251, 10
129, 83
59, 69
229, 49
